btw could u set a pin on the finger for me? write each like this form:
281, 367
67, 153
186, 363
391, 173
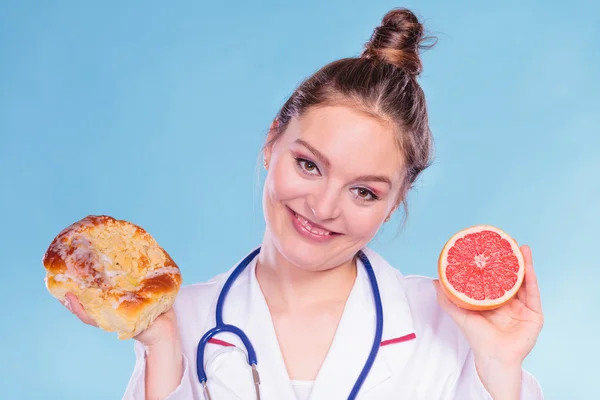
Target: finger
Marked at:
65, 303
522, 294
76, 308
532, 290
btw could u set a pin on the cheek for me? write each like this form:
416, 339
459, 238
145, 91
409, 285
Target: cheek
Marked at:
364, 223
284, 182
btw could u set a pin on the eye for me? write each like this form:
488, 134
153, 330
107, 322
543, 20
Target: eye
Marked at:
364, 194
306, 166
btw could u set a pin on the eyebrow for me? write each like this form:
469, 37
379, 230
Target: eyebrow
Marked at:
375, 178
316, 152
324, 160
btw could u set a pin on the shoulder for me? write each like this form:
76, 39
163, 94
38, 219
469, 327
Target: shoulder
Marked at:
417, 290
194, 302
420, 293
422, 299
199, 293
194, 305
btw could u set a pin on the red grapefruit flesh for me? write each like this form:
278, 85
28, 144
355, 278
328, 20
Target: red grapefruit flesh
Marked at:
481, 268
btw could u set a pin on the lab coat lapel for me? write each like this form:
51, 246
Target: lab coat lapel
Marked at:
354, 337
275, 381
398, 345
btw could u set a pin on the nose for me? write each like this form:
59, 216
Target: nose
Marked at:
325, 204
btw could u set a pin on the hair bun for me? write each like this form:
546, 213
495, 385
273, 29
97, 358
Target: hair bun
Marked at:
397, 41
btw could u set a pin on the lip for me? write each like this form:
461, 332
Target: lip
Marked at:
306, 233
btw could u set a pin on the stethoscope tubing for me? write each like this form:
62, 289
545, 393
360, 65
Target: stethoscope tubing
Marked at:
221, 326
378, 327
252, 359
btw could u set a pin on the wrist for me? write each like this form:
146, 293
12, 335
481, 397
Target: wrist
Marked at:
166, 345
501, 379
164, 332
164, 366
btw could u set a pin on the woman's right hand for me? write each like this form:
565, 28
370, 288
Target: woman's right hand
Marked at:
164, 328
164, 358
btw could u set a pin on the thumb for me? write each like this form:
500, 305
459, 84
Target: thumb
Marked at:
73, 304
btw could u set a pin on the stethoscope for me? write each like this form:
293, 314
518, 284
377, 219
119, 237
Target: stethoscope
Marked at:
252, 361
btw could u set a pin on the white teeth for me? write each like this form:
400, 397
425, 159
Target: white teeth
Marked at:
309, 227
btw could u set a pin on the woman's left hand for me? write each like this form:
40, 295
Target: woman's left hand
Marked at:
501, 338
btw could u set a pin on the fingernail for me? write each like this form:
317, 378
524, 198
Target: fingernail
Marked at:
68, 304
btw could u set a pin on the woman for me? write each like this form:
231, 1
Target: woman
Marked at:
341, 155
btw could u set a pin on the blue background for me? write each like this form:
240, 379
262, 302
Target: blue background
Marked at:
156, 113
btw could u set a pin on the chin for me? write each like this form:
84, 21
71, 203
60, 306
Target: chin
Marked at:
304, 256
310, 255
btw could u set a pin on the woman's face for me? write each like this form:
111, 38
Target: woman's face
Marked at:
333, 177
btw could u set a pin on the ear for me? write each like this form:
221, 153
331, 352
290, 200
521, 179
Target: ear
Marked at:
399, 200
392, 211
389, 216
273, 130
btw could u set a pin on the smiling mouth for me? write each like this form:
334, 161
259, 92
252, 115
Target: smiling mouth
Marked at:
312, 227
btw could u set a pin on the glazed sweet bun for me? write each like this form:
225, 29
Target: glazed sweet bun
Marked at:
122, 277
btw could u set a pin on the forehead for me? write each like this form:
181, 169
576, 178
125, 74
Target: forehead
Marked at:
352, 140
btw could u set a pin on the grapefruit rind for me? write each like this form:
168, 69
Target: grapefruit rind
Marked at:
459, 298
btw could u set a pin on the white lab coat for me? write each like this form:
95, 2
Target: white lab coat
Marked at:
423, 354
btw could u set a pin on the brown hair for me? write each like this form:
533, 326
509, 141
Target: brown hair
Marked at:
381, 82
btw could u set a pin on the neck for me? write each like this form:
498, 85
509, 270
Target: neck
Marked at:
288, 287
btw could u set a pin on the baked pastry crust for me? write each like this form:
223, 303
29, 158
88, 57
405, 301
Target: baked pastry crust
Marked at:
122, 277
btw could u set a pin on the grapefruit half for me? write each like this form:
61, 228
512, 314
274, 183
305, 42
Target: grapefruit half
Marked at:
481, 268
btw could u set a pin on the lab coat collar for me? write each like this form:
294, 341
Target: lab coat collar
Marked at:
351, 344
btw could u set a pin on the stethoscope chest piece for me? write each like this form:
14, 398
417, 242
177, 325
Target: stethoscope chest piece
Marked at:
225, 362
